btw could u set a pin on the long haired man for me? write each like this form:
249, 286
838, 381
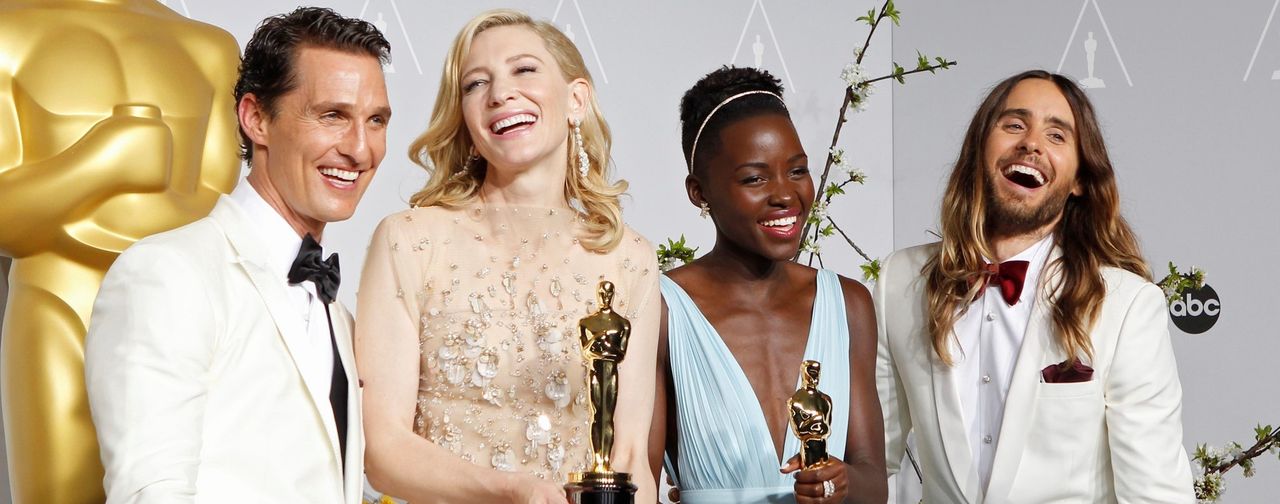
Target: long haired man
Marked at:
1028, 350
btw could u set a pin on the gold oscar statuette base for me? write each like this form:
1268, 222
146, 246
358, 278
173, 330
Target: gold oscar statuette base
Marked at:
600, 488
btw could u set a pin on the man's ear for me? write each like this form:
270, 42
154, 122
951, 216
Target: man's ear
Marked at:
579, 98
253, 119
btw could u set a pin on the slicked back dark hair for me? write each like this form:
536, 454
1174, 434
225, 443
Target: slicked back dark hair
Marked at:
714, 88
267, 67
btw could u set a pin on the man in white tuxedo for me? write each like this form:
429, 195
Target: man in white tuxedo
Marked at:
219, 367
1065, 390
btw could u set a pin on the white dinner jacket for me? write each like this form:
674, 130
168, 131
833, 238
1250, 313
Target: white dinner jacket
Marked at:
192, 385
1116, 438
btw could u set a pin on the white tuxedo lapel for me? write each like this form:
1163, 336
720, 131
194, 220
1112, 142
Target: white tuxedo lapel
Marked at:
951, 426
250, 256
1020, 404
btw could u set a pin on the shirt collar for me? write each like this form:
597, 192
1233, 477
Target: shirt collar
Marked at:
1036, 255
279, 239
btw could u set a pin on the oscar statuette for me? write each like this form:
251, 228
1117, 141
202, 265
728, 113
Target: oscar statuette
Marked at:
117, 122
604, 337
811, 417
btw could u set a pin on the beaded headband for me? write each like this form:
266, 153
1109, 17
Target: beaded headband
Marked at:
694, 149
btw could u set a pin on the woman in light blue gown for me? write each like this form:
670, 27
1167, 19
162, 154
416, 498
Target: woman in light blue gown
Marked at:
738, 321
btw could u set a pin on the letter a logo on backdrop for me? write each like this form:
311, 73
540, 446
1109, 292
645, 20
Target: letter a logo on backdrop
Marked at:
1196, 311
569, 31
758, 44
1093, 77
1275, 75
380, 21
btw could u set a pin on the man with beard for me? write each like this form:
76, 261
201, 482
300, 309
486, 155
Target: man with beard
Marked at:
1065, 390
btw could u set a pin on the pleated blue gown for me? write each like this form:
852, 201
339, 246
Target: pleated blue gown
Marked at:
726, 453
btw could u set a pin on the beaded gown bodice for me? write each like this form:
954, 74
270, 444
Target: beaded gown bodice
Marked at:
495, 294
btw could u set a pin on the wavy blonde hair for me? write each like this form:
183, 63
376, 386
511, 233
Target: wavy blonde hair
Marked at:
1092, 233
444, 148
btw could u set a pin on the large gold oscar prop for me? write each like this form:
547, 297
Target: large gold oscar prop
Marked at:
116, 122
811, 417
604, 336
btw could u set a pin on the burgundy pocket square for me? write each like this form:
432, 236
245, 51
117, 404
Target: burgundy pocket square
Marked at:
1061, 373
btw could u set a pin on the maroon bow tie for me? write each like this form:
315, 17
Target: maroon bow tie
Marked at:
1008, 276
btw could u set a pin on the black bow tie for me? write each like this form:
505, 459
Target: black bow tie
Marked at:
308, 266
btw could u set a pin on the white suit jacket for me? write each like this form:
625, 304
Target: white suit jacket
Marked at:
192, 387
1116, 438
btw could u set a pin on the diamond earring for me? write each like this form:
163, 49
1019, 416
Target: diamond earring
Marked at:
706, 210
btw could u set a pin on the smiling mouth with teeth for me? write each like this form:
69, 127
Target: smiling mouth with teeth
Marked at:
780, 222
1025, 176
340, 174
505, 125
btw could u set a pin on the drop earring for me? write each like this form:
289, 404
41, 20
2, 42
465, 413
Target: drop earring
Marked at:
472, 158
584, 162
706, 210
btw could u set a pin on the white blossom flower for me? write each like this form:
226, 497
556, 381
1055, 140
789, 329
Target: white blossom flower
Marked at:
1233, 451
855, 174
853, 75
837, 157
811, 246
861, 93
818, 212
842, 164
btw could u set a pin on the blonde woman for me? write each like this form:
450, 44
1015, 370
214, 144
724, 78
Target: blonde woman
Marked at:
467, 340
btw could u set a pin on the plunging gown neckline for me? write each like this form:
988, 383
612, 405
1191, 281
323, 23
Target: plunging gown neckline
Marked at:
727, 454
789, 442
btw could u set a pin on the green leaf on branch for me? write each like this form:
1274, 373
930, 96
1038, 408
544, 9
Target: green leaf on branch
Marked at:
871, 271
833, 190
1176, 283
897, 73
870, 18
674, 251
891, 12
827, 231
942, 62
922, 62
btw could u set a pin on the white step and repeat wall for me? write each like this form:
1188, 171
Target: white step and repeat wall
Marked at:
1189, 103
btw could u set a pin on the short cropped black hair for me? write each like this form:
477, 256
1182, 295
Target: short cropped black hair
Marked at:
267, 67
714, 88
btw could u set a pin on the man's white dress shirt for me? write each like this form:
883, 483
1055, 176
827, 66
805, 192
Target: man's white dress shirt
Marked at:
990, 335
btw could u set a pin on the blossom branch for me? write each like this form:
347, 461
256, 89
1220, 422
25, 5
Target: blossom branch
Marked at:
831, 159
885, 10
850, 240
1262, 446
1217, 462
930, 68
